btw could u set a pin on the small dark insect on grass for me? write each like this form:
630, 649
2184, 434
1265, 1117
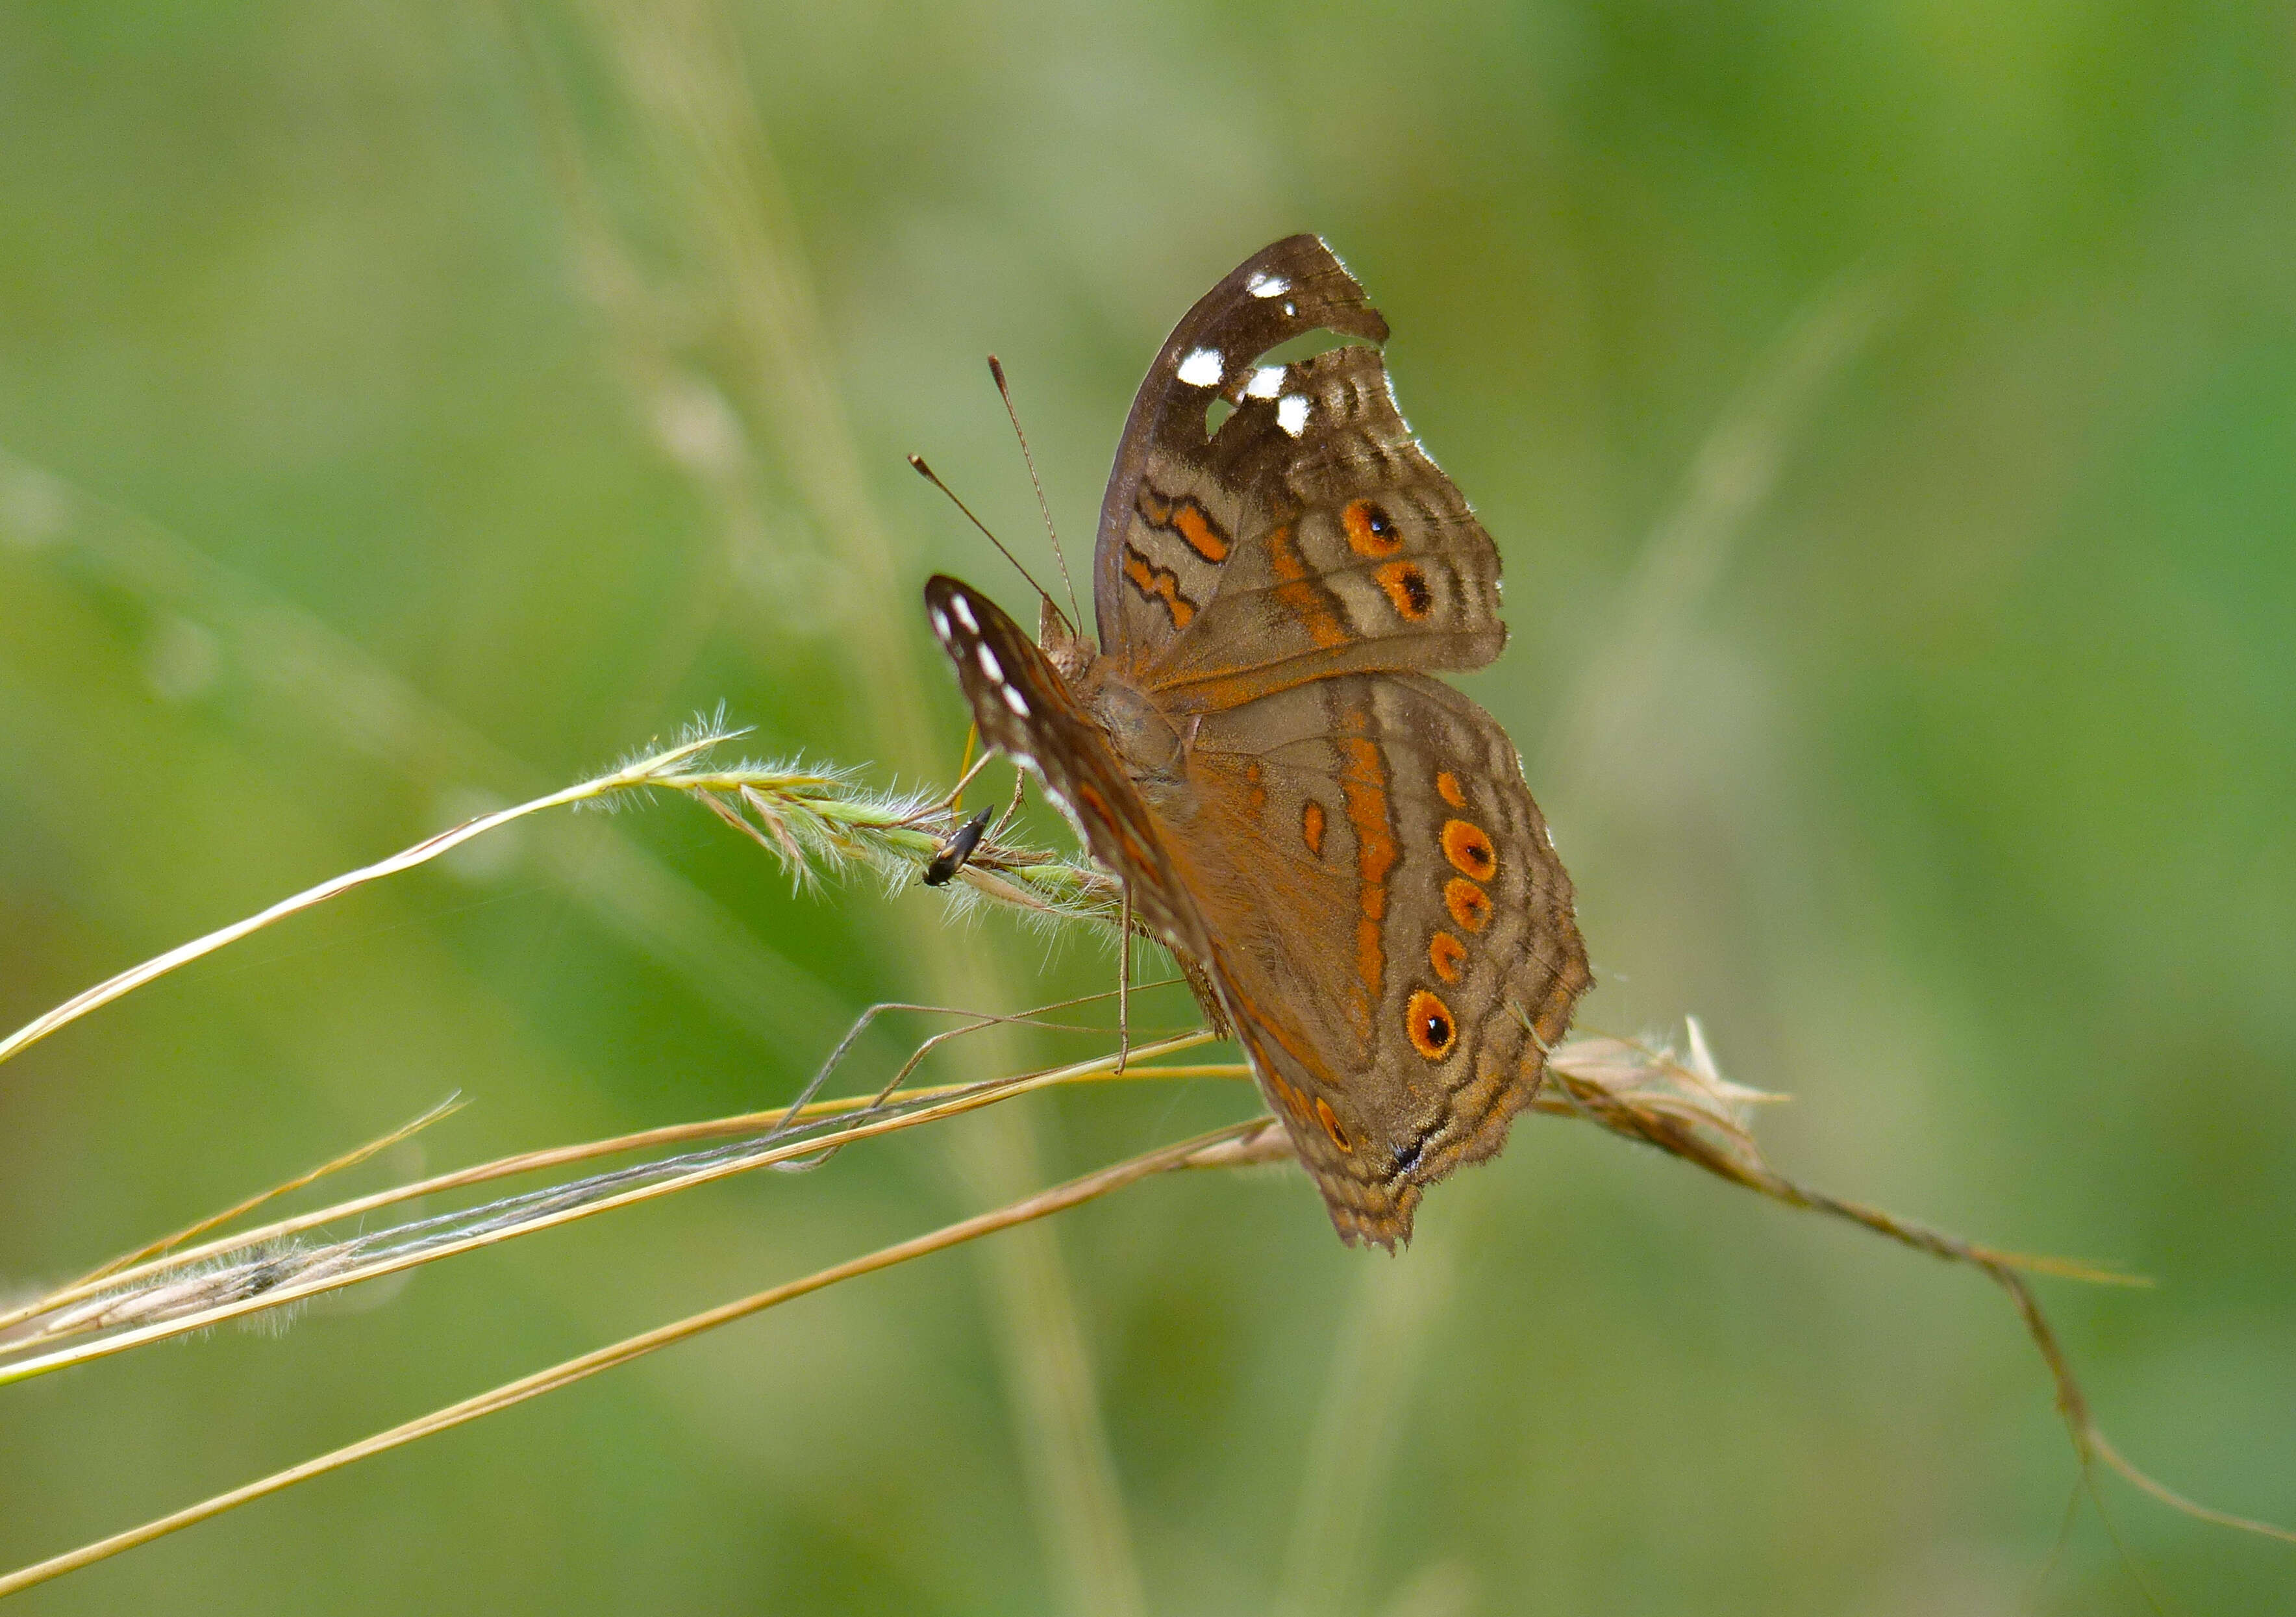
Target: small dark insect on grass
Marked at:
819, 822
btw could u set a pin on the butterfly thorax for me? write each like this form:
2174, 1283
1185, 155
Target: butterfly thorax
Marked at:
1146, 741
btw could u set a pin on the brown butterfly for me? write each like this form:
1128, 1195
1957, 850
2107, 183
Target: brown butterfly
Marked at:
1340, 848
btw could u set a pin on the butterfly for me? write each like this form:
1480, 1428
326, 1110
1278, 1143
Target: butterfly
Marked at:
1339, 849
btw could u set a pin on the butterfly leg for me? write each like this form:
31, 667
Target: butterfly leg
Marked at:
1020, 789
1124, 984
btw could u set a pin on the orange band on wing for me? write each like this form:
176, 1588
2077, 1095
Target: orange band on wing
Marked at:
1159, 584
1308, 600
1363, 782
1188, 518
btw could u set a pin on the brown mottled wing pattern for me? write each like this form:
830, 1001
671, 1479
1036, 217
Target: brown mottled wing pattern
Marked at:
1345, 846
1391, 924
1026, 710
1158, 552
1310, 535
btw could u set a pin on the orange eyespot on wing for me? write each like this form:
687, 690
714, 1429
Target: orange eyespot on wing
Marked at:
1470, 905
1469, 849
1407, 589
1446, 786
1324, 1115
1448, 955
1312, 822
1429, 1021
1371, 531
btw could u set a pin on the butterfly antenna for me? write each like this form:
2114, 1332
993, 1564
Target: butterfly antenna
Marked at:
927, 472
1003, 391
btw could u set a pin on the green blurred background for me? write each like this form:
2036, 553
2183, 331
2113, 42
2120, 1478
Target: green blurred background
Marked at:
1887, 415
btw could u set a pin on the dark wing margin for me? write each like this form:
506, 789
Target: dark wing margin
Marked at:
1284, 291
1026, 711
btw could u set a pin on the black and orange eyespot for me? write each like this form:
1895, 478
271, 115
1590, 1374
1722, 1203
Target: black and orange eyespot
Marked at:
1312, 821
1470, 905
1407, 589
1448, 955
1428, 1020
1469, 849
1331, 1122
1371, 531
1447, 785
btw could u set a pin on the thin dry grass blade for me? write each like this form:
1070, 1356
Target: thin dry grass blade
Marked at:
328, 1270
408, 858
321, 680
192, 1232
1685, 1109
1220, 1147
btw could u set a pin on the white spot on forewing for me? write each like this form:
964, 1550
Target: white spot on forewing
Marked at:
940, 622
1291, 413
1266, 382
991, 665
1016, 701
1269, 286
964, 613
1203, 368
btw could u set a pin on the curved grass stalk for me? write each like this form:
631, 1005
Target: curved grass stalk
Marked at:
206, 1298
1237, 1144
813, 820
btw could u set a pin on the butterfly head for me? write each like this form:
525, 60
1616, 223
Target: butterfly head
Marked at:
1069, 651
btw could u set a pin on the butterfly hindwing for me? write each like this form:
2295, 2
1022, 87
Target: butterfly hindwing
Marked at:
1390, 918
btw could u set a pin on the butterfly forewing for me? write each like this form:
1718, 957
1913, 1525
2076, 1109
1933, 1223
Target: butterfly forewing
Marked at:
1154, 559
1362, 555
1309, 534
